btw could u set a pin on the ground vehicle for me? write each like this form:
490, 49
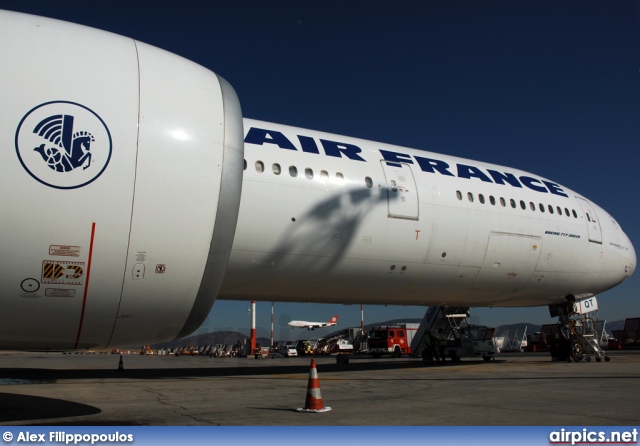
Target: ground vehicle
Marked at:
261, 352
472, 340
393, 339
287, 351
305, 347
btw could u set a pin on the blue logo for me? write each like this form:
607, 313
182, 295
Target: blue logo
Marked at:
63, 144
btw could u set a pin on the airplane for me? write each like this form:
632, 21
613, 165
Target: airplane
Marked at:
313, 325
134, 194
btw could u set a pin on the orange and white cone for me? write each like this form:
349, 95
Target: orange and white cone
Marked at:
313, 403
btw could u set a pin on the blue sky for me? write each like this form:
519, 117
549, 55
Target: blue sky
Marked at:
548, 87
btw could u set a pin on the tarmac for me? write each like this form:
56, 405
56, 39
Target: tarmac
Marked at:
55, 389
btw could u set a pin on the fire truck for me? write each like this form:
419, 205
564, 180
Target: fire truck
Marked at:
394, 340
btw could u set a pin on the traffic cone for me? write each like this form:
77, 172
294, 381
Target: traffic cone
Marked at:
120, 365
313, 403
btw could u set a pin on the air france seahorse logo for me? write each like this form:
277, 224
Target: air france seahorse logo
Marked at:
63, 144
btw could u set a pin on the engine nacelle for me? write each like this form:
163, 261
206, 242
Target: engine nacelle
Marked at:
120, 179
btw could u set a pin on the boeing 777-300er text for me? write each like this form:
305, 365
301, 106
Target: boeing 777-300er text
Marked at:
313, 325
134, 194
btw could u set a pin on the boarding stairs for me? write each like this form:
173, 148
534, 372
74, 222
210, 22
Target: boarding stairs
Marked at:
516, 342
330, 344
449, 319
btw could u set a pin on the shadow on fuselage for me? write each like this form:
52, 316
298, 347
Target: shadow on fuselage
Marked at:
328, 229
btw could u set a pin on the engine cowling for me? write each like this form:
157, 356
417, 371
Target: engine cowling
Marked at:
120, 180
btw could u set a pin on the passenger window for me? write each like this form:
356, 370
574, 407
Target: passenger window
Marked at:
550, 209
575, 215
308, 173
368, 182
502, 202
492, 200
541, 206
523, 205
259, 166
481, 198
459, 195
532, 206
293, 171
513, 203
339, 176
276, 168
470, 196
245, 164
566, 211
559, 210
324, 175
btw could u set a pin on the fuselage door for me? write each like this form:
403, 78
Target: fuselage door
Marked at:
593, 223
402, 192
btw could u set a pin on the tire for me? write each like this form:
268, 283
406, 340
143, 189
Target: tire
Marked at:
396, 352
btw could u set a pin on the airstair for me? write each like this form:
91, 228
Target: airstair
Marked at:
442, 322
583, 335
336, 343
516, 342
449, 325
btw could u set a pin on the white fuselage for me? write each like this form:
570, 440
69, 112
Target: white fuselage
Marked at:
447, 232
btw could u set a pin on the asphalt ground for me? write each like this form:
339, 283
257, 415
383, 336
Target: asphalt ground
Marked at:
515, 389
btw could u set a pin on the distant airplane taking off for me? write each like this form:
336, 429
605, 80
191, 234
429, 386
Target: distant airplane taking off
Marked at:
314, 325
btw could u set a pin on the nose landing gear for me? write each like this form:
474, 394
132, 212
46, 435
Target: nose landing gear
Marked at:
578, 335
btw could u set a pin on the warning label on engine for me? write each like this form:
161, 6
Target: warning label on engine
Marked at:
59, 292
64, 250
62, 272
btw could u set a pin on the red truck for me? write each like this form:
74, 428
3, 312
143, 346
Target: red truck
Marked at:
394, 340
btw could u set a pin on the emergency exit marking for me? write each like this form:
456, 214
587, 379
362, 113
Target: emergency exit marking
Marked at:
160, 269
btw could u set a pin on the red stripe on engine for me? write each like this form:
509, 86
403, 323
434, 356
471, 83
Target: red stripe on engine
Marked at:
86, 283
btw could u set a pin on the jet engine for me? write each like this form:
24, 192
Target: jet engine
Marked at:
120, 178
